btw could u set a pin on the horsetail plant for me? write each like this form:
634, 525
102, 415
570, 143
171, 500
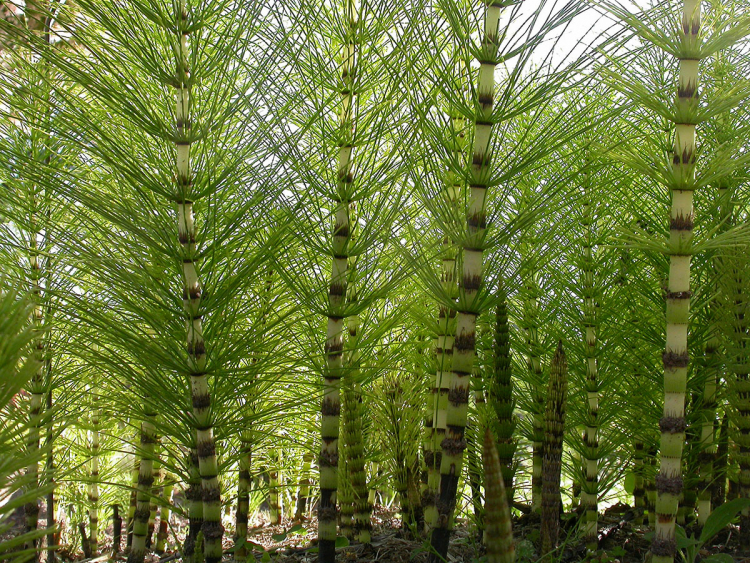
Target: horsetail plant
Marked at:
340, 237
554, 429
497, 520
689, 45
469, 302
500, 394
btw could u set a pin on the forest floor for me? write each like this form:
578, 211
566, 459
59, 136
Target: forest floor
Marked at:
294, 542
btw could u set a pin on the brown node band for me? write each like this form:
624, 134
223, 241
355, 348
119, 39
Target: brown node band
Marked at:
328, 459
458, 396
212, 530
465, 341
142, 514
206, 449
453, 446
211, 494
668, 485
678, 295
675, 360
681, 223
672, 424
327, 513
145, 480
663, 547
201, 401
471, 283
330, 408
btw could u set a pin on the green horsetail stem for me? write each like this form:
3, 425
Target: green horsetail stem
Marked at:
192, 549
162, 536
243, 498
304, 483
337, 291
353, 494
669, 483
650, 485
718, 495
148, 441
464, 345
156, 490
246, 441
737, 274
497, 520
708, 421
445, 333
500, 394
353, 428
554, 429
93, 488
639, 491
590, 489
134, 472
36, 384
212, 528
536, 375
274, 500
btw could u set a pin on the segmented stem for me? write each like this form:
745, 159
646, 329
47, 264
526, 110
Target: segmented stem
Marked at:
676, 358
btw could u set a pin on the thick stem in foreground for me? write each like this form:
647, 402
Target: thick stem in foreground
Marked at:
675, 358
212, 528
464, 346
334, 343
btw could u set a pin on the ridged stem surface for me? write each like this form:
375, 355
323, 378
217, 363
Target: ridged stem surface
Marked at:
470, 284
669, 484
337, 290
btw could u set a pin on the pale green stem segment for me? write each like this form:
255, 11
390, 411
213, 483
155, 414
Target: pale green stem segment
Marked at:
468, 306
337, 291
676, 358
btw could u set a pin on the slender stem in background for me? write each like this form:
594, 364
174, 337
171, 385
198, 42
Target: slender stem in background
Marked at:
554, 429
